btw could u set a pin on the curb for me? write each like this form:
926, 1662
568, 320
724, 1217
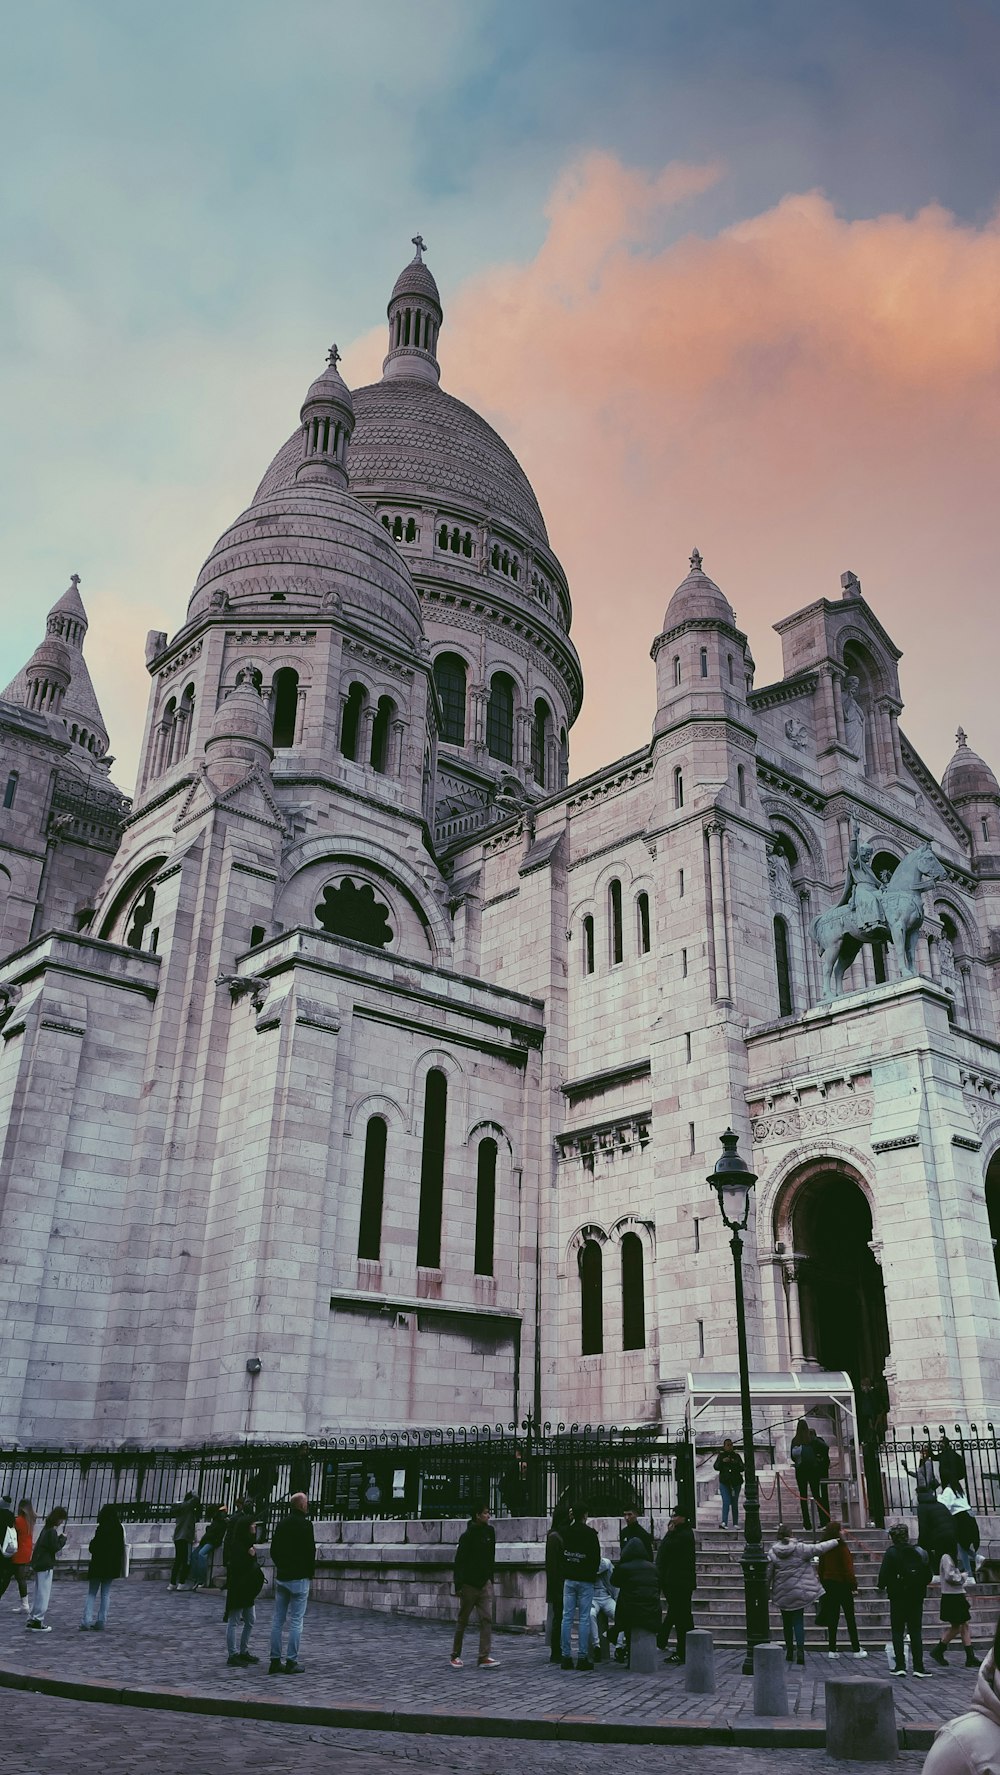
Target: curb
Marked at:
575, 1728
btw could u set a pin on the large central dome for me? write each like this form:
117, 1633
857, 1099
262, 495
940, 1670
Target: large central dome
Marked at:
413, 441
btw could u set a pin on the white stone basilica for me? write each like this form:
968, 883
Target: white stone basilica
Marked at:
365, 1071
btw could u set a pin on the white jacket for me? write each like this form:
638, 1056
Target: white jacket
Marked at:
970, 1745
954, 1582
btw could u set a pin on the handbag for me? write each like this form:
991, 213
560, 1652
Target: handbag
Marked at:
9, 1548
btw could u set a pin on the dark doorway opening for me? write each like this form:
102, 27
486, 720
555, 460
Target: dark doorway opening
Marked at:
842, 1297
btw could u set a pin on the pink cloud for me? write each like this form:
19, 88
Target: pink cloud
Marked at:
796, 395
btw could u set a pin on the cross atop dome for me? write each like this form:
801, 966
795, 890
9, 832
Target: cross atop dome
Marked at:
418, 241
333, 357
694, 560
961, 737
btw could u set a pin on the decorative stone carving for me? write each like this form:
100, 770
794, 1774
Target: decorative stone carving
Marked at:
252, 986
871, 911
797, 733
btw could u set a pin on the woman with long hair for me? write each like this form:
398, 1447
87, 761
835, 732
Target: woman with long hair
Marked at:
107, 1562
17, 1565
47, 1549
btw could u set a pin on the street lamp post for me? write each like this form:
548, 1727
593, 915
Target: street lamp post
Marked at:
733, 1182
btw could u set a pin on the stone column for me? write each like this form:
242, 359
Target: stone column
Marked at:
476, 717
366, 728
300, 715
522, 740
791, 1269
717, 885
396, 748
808, 946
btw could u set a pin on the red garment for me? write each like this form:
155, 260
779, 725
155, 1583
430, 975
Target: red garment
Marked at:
24, 1542
837, 1566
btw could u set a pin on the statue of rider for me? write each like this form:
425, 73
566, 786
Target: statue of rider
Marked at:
862, 885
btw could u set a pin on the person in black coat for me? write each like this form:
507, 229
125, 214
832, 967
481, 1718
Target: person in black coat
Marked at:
244, 1583
293, 1550
635, 1577
107, 1562
475, 1563
632, 1529
677, 1571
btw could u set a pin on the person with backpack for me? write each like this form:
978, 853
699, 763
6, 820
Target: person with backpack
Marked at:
475, 1564
904, 1576
729, 1467
47, 1549
107, 1562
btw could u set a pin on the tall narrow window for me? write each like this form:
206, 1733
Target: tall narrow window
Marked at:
350, 725
10, 790
500, 719
284, 707
540, 740
704, 662
878, 963
984, 822
677, 668
591, 1299
741, 785
615, 915
729, 658
432, 1171
633, 1301
642, 913
678, 787
449, 676
382, 733
680, 884
486, 1201
783, 965
588, 943
372, 1187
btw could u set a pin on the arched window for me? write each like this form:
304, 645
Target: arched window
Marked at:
878, 963
741, 785
783, 966
500, 719
540, 740
350, 725
633, 1296
385, 715
486, 1197
372, 1189
993, 1207
678, 787
432, 1171
677, 668
10, 791
284, 707
984, 822
449, 676
588, 943
563, 756
591, 1299
615, 917
642, 915
704, 662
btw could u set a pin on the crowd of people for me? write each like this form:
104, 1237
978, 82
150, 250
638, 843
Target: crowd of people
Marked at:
26, 1555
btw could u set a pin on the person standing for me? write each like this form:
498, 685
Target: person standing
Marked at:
676, 1567
837, 1576
904, 1576
581, 1563
213, 1535
554, 1581
245, 1581
927, 1489
729, 1467
293, 1552
16, 1569
813, 1470
602, 1614
475, 1564
185, 1532
107, 1562
791, 1584
951, 1465
955, 1611
8, 1541
46, 1551
632, 1529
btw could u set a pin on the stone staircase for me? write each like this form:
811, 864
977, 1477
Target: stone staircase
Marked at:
718, 1600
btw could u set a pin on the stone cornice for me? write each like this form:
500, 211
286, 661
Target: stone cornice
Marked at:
787, 690
790, 785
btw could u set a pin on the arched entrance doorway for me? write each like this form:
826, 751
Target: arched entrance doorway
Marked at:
993, 1207
841, 1294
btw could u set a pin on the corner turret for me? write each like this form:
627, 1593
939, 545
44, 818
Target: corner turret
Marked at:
415, 317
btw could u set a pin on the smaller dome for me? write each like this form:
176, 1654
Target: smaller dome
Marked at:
244, 715
50, 656
968, 777
416, 278
330, 389
698, 598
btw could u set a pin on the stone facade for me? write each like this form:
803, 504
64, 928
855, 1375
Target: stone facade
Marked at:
367, 1071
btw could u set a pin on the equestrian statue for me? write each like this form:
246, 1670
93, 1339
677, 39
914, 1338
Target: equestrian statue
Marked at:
875, 909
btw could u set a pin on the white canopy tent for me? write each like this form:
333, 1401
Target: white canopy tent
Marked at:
779, 1399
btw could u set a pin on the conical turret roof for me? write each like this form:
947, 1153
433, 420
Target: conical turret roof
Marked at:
66, 625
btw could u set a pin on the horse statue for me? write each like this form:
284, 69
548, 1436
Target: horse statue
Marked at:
890, 910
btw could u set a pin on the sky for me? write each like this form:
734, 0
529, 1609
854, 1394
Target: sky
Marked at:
723, 274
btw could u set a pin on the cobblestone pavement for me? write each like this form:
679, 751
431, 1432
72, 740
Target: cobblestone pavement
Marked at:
391, 1669
41, 1736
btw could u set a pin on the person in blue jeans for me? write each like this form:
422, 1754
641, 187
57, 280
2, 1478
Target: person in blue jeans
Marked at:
729, 1467
581, 1564
293, 1550
107, 1562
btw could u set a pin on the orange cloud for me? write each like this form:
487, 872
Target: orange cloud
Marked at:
796, 395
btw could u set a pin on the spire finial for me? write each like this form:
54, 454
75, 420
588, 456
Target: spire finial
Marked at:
74, 579
694, 560
333, 357
960, 737
418, 241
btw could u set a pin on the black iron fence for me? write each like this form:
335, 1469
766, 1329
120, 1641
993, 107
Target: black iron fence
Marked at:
409, 1474
972, 1454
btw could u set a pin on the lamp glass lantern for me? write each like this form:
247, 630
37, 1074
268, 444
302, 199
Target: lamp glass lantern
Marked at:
733, 1181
